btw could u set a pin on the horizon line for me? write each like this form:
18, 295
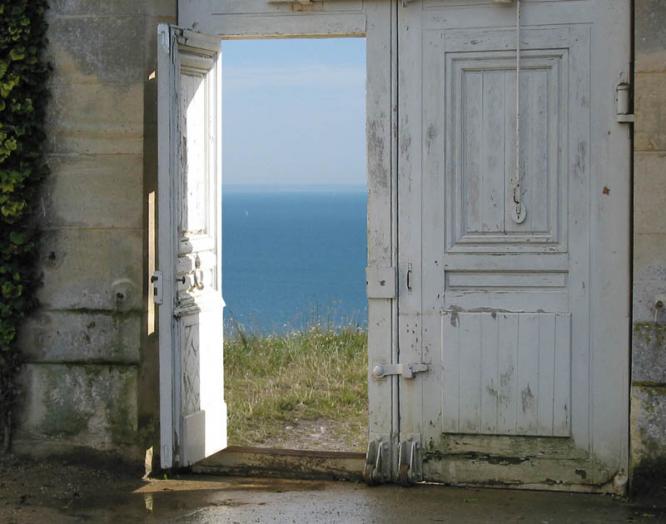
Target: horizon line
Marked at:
233, 187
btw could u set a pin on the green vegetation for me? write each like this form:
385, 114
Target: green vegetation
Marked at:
306, 389
23, 96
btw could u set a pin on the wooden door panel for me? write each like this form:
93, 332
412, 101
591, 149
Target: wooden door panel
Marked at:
506, 373
505, 341
480, 91
513, 316
193, 413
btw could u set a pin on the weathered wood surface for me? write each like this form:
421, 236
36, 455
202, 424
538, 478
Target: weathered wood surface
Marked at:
523, 324
193, 413
443, 173
375, 20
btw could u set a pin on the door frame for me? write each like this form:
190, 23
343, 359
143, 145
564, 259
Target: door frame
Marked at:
376, 21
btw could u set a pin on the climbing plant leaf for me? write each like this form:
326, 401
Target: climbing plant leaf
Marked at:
23, 97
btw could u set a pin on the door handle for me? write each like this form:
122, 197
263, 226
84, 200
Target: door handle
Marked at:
198, 279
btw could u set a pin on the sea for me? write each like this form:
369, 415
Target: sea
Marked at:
294, 258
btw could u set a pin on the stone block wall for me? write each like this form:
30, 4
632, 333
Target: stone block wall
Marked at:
91, 373
648, 392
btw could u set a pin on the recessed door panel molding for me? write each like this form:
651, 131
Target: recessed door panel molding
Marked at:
481, 144
509, 280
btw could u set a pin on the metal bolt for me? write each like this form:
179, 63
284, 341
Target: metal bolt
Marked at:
660, 302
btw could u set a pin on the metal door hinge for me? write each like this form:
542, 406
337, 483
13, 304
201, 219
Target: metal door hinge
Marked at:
164, 38
156, 281
409, 462
377, 467
623, 103
408, 371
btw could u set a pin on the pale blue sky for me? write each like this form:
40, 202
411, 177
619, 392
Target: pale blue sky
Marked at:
294, 112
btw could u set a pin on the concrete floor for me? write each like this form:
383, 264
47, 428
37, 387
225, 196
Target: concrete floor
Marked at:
235, 500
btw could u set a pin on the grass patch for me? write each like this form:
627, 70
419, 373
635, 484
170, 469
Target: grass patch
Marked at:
281, 390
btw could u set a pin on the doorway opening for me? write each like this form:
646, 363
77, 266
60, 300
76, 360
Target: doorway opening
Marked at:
295, 243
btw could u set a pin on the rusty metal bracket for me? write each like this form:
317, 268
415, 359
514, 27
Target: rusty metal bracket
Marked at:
377, 469
409, 462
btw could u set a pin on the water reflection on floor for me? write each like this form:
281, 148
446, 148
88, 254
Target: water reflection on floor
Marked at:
221, 499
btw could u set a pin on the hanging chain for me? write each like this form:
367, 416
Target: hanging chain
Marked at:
519, 212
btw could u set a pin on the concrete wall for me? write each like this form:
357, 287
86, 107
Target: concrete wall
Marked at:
648, 392
91, 377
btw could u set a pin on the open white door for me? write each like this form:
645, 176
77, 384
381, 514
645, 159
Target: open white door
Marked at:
188, 284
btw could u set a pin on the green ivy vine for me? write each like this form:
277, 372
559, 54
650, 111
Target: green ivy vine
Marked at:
23, 96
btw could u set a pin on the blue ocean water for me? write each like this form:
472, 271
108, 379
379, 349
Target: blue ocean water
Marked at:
293, 257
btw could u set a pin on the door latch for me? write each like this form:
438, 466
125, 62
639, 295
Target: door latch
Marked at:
408, 371
156, 281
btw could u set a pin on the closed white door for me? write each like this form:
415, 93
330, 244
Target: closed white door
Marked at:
514, 242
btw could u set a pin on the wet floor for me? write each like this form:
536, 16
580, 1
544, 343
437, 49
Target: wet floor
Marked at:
234, 500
